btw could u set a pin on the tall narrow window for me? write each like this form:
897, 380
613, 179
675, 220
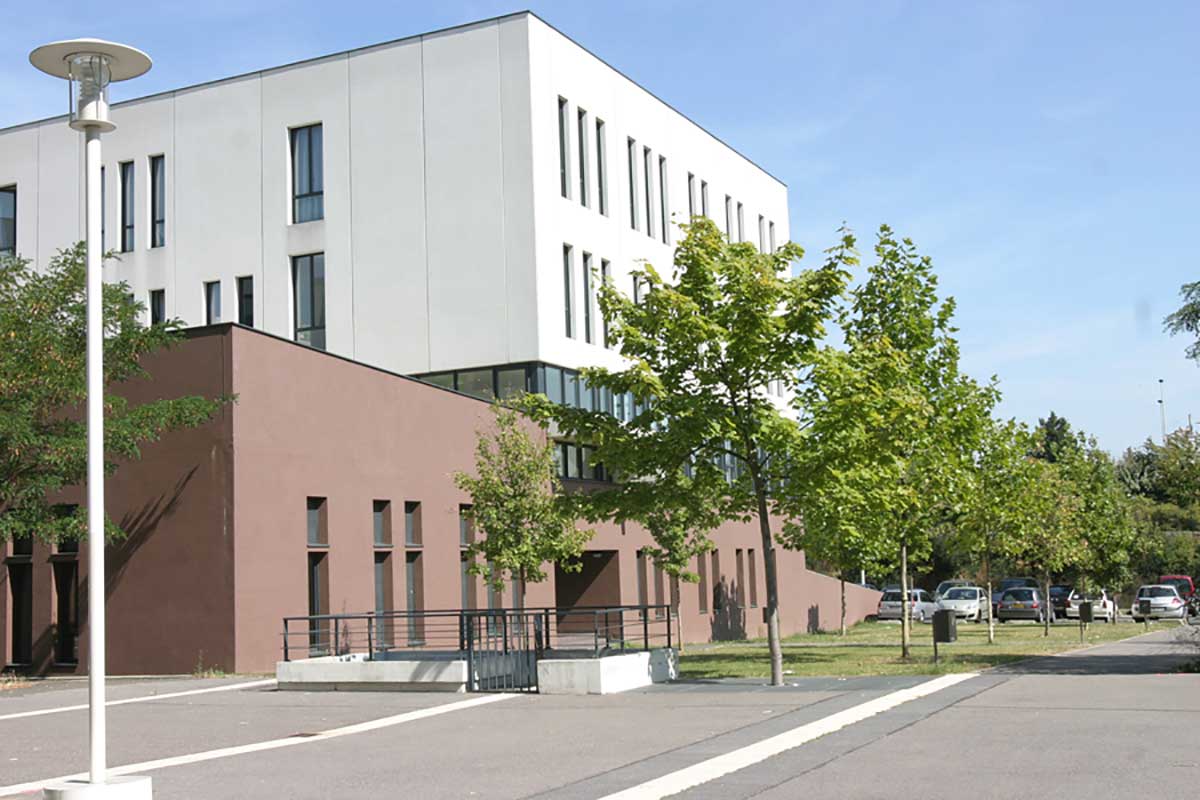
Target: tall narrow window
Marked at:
245, 300
691, 195
308, 292
762, 234
582, 126
568, 295
308, 173
741, 224
381, 523
601, 169
719, 595
642, 598
466, 528
704, 198
128, 207
631, 152
564, 148
412, 523
158, 306
317, 522
648, 175
660, 599
771, 235
606, 280
383, 598
637, 289
664, 217
8, 221
66, 595
753, 579
739, 591
414, 585
158, 201
212, 302
466, 580
587, 297
318, 603
729, 218
702, 570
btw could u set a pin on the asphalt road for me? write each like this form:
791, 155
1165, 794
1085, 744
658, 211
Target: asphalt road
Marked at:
1097, 723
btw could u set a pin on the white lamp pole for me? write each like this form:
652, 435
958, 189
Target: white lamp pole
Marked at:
90, 65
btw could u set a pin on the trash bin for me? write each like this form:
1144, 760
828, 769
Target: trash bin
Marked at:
1144, 608
1085, 611
945, 625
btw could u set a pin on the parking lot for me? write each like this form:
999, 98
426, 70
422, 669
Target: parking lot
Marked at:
1085, 724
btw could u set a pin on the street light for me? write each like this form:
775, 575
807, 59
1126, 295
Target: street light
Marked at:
90, 65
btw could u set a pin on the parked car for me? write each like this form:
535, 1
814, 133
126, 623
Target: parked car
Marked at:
1104, 605
1165, 603
946, 586
1060, 598
967, 602
921, 605
1186, 588
1005, 585
1023, 603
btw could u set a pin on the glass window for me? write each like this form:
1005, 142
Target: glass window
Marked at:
412, 523
728, 217
381, 519
741, 224
8, 221
317, 531
571, 388
554, 384
588, 299
158, 201
704, 198
648, 186
601, 169
664, 216
582, 129
568, 295
128, 209
605, 280
691, 195
466, 533
631, 153
212, 302
564, 148
762, 234
245, 298
771, 235
443, 379
477, 383
586, 395
308, 290
308, 173
510, 382
158, 306
571, 458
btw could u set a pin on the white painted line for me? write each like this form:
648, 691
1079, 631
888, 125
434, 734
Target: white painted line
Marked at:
229, 687
271, 744
719, 766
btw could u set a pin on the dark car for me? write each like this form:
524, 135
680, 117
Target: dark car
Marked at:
1023, 603
1060, 599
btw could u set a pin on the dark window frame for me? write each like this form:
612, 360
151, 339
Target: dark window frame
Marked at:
568, 290
631, 153
128, 206
212, 310
245, 300
601, 169
582, 131
313, 332
302, 137
564, 147
11, 250
158, 201
157, 304
587, 297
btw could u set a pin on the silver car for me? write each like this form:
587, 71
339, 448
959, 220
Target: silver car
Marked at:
1104, 605
1165, 603
967, 602
921, 605
1023, 603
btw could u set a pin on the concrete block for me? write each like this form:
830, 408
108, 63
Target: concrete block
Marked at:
120, 787
607, 675
354, 672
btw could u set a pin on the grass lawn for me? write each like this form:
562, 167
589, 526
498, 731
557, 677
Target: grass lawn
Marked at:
873, 648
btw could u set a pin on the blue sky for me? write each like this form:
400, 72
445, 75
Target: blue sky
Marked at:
1045, 155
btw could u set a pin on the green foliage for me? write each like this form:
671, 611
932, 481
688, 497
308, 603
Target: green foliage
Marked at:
521, 519
1053, 439
43, 387
1187, 318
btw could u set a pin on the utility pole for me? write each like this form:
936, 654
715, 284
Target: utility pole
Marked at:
1162, 410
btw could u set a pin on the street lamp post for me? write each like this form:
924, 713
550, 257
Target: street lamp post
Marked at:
89, 65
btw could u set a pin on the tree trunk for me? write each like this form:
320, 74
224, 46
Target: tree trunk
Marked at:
905, 609
987, 575
1049, 609
843, 604
772, 609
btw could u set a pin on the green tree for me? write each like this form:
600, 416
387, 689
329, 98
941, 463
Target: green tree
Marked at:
43, 387
1186, 319
521, 518
1053, 438
703, 345
1106, 530
1053, 542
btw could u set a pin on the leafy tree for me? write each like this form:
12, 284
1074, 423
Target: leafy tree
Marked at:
43, 386
703, 435
518, 507
1053, 438
1105, 519
1187, 318
1052, 543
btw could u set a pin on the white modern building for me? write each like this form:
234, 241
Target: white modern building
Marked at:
435, 205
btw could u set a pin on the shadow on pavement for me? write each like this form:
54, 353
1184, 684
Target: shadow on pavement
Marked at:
1143, 656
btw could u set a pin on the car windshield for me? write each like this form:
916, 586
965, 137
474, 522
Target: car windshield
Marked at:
960, 594
891, 597
1060, 590
1156, 591
1019, 594
1181, 584
1009, 583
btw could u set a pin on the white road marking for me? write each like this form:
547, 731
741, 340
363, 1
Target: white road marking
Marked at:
719, 766
271, 744
143, 699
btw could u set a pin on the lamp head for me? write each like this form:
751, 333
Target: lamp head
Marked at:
90, 65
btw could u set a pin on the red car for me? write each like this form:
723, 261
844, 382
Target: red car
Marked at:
1184, 585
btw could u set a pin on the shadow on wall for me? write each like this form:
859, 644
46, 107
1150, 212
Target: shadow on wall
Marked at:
814, 619
728, 618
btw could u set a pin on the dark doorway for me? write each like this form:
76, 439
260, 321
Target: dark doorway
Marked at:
66, 598
318, 603
20, 580
596, 584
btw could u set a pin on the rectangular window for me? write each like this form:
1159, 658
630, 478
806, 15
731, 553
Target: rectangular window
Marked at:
245, 301
568, 295
664, 216
383, 582
762, 234
691, 196
582, 126
381, 523
477, 383
319, 642
659, 596
414, 585
8, 221
704, 198
466, 529
554, 384
212, 302
588, 299
648, 175
741, 224
729, 218
308, 292
718, 588
571, 388
467, 580
66, 595
702, 571
637, 289
308, 173
510, 383
739, 591
631, 152
642, 598
601, 169
753, 578
158, 306
564, 148
605, 280
128, 208
317, 521
158, 201
771, 235
412, 523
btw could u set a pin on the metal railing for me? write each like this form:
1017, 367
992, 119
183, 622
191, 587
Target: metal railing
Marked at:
580, 631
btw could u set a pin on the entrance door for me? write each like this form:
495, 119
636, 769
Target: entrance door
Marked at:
596, 584
66, 590
20, 581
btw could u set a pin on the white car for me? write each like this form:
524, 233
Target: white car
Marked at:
1165, 603
967, 602
1104, 605
921, 605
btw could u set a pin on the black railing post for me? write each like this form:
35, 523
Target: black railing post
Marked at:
370, 639
285, 639
645, 628
504, 629
668, 628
